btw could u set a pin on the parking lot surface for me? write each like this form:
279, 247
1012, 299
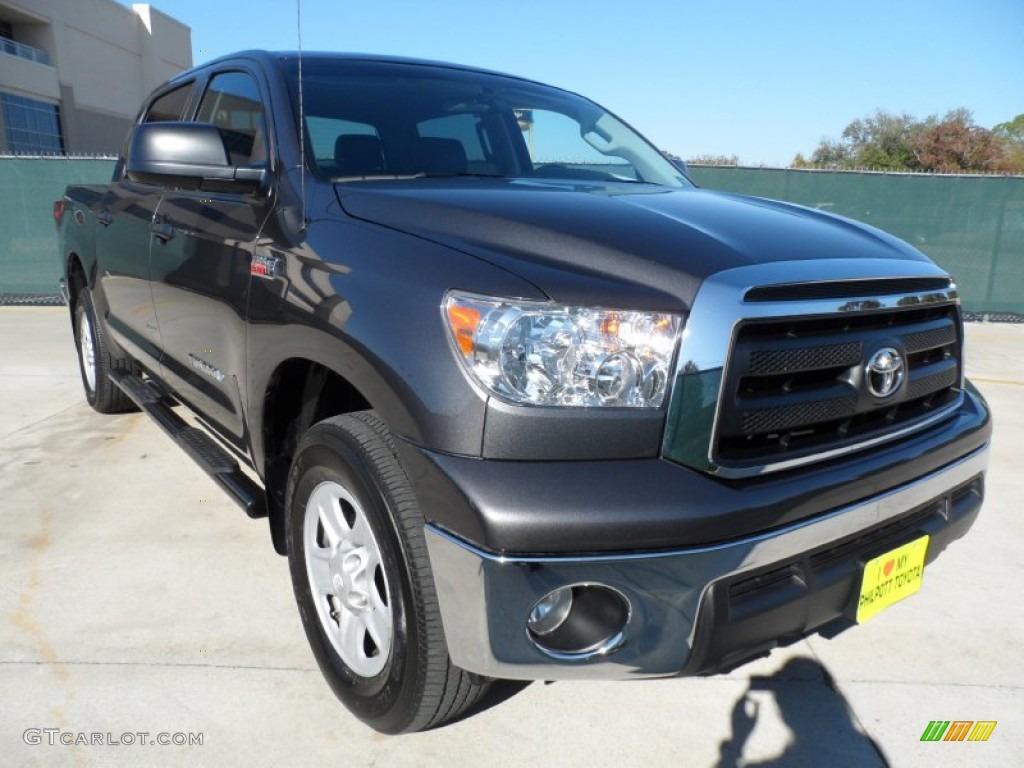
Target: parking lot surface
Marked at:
138, 599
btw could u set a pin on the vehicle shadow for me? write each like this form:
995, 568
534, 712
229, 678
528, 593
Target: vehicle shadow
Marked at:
499, 692
816, 714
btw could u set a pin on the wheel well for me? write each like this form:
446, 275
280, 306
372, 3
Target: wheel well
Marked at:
300, 393
76, 279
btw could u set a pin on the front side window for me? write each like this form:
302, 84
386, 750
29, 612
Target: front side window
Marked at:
555, 148
390, 120
170, 106
31, 126
232, 103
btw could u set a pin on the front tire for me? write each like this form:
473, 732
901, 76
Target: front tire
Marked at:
95, 361
362, 580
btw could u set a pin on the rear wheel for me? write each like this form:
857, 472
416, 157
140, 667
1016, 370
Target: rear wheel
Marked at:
363, 583
96, 362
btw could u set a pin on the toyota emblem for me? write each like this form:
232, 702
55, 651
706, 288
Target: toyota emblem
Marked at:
884, 372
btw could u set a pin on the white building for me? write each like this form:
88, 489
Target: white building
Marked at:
73, 73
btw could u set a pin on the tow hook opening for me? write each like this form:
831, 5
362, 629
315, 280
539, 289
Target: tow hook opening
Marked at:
579, 621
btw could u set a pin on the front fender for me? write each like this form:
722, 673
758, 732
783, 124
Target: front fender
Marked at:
364, 301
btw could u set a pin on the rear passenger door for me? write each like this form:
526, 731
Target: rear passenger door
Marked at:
201, 260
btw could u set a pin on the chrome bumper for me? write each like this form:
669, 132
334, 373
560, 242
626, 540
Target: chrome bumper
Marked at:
485, 598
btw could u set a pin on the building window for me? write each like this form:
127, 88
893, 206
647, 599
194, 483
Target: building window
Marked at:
31, 126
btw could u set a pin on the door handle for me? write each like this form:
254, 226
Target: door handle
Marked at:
105, 217
161, 230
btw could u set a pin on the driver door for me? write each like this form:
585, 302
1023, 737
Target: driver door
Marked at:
200, 261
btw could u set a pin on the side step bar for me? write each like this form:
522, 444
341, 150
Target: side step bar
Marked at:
215, 461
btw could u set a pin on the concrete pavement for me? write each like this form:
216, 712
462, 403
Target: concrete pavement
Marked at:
137, 598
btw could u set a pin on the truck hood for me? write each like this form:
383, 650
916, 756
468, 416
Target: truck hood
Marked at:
613, 243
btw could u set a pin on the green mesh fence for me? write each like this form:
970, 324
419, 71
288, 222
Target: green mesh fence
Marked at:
972, 226
29, 262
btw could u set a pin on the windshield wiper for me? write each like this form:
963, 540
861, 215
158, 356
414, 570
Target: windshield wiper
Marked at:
420, 175
380, 177
463, 175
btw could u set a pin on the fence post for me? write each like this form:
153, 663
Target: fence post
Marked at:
997, 242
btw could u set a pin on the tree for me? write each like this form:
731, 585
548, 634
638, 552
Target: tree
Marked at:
1012, 130
955, 144
832, 154
1011, 133
883, 140
899, 142
729, 160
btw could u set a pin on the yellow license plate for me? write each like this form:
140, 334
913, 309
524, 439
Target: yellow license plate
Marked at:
891, 577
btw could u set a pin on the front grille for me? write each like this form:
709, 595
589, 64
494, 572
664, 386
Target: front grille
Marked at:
795, 387
767, 361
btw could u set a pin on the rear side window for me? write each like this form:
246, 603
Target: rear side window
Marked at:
232, 103
170, 106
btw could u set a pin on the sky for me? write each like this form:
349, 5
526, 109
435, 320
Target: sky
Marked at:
762, 80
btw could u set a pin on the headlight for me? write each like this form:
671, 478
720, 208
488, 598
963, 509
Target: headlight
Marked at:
539, 353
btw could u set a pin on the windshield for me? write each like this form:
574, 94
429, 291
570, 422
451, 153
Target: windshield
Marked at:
368, 119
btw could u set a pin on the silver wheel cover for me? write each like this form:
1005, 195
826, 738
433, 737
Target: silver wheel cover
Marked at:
346, 579
87, 351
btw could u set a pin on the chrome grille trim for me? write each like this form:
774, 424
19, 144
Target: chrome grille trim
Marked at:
719, 309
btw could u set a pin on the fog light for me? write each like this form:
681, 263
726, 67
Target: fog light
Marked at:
550, 612
579, 622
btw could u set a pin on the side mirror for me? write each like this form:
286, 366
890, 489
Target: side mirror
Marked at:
188, 155
681, 166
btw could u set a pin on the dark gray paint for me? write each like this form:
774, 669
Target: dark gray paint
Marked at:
561, 507
359, 290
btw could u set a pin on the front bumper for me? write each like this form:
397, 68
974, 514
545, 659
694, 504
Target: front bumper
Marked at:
696, 609
568, 508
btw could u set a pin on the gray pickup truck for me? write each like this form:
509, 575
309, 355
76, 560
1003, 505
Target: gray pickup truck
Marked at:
518, 399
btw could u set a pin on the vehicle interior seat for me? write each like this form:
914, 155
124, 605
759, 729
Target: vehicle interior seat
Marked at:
359, 155
442, 156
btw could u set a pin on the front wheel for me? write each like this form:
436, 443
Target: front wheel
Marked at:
363, 583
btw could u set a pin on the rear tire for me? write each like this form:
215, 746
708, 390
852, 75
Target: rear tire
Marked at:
96, 362
363, 583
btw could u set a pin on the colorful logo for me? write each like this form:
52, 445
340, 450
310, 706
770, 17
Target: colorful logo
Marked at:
958, 730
